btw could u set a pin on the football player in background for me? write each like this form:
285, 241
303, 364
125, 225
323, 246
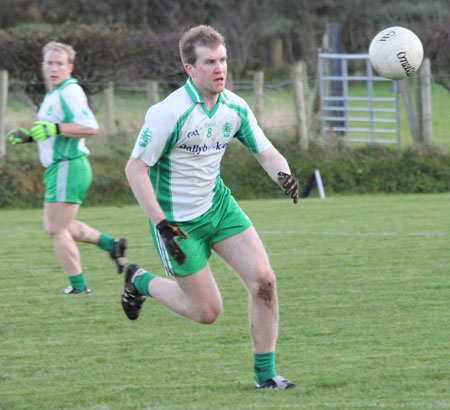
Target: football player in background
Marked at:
64, 121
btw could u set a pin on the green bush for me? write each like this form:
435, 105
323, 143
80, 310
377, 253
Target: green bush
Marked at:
344, 170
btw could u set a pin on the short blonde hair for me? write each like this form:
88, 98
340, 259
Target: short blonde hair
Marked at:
202, 35
66, 48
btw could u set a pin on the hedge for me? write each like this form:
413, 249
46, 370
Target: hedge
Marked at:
344, 170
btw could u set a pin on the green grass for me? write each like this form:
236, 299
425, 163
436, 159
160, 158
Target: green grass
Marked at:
364, 308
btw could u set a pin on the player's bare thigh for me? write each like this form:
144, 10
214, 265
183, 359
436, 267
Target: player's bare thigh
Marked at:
246, 255
202, 293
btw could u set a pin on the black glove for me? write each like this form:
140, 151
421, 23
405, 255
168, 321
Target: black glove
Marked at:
289, 184
168, 232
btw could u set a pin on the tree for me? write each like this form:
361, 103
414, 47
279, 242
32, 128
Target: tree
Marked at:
249, 26
436, 41
102, 55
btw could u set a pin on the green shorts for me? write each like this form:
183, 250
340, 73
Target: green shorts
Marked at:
224, 219
68, 181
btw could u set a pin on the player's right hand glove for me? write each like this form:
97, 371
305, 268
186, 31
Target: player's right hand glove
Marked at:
169, 232
43, 130
290, 185
19, 136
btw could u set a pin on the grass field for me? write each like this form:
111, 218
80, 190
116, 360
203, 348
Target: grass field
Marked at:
364, 293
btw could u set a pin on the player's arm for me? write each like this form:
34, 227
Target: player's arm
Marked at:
273, 162
82, 125
75, 130
42, 130
277, 168
142, 187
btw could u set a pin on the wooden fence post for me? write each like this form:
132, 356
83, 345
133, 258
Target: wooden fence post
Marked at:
301, 103
410, 110
309, 98
258, 84
416, 82
3, 102
152, 91
425, 92
277, 52
109, 109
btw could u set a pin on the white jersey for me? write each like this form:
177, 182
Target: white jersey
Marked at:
183, 144
67, 103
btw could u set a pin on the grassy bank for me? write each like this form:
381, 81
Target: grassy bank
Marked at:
344, 170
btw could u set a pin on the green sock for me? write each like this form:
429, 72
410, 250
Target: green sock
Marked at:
141, 283
106, 242
78, 282
264, 365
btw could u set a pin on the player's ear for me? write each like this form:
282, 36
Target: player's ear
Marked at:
71, 68
188, 68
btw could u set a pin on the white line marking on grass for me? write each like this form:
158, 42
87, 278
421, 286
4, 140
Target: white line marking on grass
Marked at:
21, 229
343, 405
427, 234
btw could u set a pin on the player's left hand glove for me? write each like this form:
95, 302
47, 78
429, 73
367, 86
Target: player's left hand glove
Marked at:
290, 185
169, 232
19, 136
43, 130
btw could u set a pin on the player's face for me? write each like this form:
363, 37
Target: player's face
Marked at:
209, 73
56, 68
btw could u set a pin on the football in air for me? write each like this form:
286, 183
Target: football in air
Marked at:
396, 53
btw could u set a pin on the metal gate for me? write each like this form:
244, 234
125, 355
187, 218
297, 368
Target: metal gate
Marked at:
357, 107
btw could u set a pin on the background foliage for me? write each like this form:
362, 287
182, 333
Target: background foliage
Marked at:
139, 40
344, 170
102, 54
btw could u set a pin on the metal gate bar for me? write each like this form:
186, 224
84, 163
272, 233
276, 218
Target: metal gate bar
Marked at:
336, 109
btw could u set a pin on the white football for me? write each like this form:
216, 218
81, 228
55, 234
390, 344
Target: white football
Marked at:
396, 53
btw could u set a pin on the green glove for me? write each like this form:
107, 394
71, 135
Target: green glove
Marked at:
19, 136
43, 130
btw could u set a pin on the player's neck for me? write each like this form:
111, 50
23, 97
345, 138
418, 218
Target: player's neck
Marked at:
210, 101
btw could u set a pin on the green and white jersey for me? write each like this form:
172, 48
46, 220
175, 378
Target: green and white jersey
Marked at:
183, 143
67, 103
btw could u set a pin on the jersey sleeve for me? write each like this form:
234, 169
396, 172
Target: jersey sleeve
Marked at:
75, 106
154, 136
250, 133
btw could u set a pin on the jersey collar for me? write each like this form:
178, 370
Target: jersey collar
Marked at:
64, 84
192, 90
67, 82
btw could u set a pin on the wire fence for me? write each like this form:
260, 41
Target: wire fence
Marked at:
278, 117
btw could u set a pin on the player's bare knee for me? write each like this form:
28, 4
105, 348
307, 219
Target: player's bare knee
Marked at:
209, 315
78, 231
207, 318
51, 230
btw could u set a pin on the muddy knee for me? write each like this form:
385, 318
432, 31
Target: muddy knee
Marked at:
267, 289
